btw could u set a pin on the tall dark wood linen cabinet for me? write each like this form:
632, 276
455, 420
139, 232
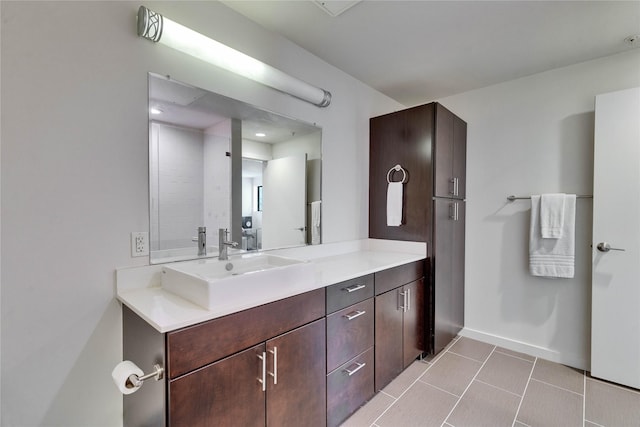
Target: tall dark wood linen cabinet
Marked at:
429, 142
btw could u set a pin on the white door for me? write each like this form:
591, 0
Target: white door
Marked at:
615, 313
284, 202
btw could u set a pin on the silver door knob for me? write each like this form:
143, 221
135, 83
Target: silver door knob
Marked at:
606, 247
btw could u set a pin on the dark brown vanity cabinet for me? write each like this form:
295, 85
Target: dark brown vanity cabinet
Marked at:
400, 319
350, 343
261, 366
429, 142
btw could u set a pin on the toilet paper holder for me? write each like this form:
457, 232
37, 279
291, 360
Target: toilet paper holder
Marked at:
136, 381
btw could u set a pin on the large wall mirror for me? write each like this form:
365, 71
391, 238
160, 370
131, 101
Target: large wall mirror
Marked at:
216, 162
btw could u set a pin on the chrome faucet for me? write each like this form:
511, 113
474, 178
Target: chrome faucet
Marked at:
202, 241
223, 244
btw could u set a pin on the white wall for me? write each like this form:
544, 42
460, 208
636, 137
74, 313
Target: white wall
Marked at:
530, 136
75, 181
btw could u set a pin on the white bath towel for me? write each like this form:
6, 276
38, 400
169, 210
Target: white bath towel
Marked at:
394, 204
552, 215
315, 222
553, 257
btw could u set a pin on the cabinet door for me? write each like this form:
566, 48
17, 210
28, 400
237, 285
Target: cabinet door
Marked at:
443, 153
297, 377
224, 393
413, 323
450, 154
388, 333
457, 270
442, 271
459, 157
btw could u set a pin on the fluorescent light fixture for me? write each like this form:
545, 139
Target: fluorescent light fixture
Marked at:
157, 28
261, 134
155, 110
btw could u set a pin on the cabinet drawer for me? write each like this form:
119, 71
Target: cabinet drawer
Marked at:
349, 292
349, 387
349, 332
199, 345
397, 276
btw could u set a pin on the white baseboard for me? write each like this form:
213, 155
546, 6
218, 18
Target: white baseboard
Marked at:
574, 361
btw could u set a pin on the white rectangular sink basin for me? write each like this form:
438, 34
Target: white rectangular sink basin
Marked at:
242, 281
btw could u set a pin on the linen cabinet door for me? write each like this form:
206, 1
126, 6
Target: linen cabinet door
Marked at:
459, 157
388, 337
224, 393
442, 272
443, 153
296, 378
413, 322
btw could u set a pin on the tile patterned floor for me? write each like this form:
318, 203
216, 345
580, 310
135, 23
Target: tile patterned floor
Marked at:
474, 384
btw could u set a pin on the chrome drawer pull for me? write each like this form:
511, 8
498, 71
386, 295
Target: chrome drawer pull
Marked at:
274, 374
354, 288
263, 381
354, 314
351, 372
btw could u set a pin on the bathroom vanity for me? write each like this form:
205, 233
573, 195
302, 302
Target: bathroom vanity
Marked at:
316, 355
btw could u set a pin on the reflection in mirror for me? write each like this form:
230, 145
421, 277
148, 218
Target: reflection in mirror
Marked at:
216, 162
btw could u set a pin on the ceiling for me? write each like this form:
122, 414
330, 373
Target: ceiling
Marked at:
419, 51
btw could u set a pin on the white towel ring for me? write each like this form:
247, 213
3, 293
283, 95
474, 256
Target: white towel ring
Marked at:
397, 168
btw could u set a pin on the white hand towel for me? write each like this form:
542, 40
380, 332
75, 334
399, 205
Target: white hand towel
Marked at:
394, 204
553, 257
315, 222
552, 215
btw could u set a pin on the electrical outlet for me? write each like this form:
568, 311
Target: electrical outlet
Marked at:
139, 243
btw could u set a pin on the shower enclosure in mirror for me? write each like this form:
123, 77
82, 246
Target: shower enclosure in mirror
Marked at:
216, 162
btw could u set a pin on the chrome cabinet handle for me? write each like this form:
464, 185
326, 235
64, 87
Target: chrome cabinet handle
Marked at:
455, 211
263, 381
354, 314
456, 186
404, 301
606, 247
274, 374
356, 369
408, 292
354, 288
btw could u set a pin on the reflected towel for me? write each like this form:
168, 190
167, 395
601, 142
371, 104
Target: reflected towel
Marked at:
394, 204
315, 222
551, 215
553, 257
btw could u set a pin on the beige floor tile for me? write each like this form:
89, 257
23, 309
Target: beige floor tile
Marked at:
515, 354
484, 405
473, 349
519, 424
366, 415
403, 381
559, 375
506, 372
547, 406
610, 405
421, 406
590, 424
452, 373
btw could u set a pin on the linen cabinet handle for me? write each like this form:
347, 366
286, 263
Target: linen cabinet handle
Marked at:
263, 380
354, 314
356, 369
274, 374
354, 288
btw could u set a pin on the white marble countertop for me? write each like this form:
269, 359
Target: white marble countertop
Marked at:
139, 287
